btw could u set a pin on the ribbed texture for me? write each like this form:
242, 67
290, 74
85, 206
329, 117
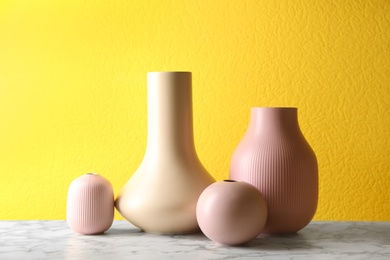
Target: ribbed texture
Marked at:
279, 162
90, 207
277, 170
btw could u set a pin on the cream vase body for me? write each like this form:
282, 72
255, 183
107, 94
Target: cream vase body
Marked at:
161, 195
275, 157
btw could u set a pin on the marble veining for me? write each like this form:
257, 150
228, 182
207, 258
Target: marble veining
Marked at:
319, 240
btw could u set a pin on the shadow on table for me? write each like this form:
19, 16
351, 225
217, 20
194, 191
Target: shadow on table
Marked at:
137, 232
310, 236
295, 241
122, 231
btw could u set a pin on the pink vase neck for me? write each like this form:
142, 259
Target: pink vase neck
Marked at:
274, 120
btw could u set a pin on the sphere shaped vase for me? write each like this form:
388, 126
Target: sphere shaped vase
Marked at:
231, 213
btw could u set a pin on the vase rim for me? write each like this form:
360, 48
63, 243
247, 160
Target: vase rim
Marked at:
170, 72
275, 108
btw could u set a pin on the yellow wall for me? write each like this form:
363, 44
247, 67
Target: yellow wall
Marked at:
73, 91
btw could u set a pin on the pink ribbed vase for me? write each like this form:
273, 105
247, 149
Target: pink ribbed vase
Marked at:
90, 204
275, 157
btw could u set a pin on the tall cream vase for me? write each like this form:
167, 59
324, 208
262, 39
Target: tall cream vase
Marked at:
161, 195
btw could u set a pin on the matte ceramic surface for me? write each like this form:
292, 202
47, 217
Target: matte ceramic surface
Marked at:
161, 196
90, 204
231, 213
275, 157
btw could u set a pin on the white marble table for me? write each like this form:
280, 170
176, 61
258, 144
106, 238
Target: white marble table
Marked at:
319, 240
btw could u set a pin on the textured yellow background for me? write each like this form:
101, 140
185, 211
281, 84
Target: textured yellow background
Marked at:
73, 91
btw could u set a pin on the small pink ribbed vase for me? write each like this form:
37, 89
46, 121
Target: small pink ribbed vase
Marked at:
90, 205
275, 157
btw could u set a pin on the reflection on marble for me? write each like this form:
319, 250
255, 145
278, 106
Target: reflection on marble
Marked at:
319, 240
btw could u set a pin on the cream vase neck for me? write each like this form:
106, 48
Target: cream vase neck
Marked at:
170, 130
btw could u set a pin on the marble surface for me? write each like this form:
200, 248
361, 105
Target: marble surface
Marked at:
319, 240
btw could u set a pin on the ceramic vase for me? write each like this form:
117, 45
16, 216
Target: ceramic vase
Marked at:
275, 157
90, 204
231, 213
161, 195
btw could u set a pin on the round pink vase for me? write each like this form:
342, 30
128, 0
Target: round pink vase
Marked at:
90, 205
231, 213
275, 157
